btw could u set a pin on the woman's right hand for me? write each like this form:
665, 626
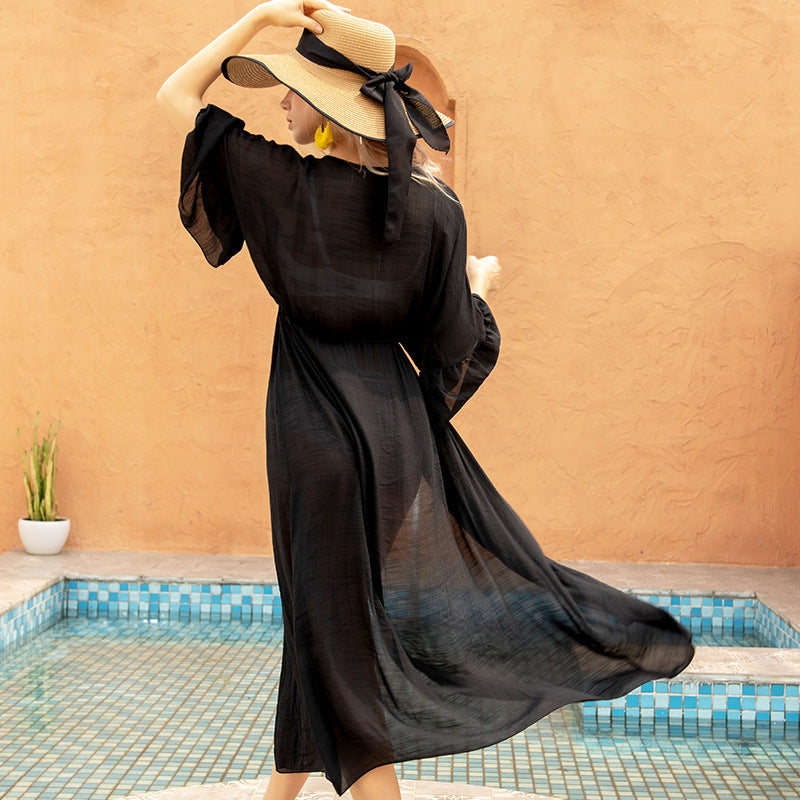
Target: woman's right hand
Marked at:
296, 13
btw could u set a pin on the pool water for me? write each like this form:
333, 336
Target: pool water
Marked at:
97, 708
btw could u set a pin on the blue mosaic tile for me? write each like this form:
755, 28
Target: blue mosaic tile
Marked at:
164, 601
728, 616
776, 628
727, 708
731, 708
31, 617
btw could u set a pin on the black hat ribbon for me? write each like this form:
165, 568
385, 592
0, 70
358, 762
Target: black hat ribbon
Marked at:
401, 103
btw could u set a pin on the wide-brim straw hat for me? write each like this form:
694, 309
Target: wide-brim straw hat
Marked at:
335, 93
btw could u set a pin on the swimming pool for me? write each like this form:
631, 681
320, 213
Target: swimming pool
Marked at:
95, 708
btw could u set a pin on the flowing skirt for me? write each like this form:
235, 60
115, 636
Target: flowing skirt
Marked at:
420, 615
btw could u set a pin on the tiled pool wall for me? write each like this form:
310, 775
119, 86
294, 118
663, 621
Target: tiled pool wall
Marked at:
743, 708
32, 616
726, 613
110, 599
729, 707
172, 601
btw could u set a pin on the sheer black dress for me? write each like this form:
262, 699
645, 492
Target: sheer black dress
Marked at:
420, 615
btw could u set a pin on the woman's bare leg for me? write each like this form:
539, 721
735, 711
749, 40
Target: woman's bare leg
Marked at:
378, 784
285, 785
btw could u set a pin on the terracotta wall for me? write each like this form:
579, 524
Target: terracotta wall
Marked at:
633, 164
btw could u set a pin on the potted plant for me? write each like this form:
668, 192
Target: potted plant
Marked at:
43, 533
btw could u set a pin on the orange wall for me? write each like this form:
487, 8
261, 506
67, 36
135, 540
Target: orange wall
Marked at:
633, 164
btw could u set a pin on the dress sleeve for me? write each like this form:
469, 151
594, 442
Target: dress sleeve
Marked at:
455, 342
206, 202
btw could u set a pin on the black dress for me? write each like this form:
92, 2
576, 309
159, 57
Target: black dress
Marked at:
420, 615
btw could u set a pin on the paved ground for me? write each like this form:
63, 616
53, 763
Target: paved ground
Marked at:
320, 789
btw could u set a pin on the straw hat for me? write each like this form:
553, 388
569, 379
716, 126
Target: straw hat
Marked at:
335, 93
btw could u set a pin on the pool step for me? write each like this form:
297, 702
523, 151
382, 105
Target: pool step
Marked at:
731, 691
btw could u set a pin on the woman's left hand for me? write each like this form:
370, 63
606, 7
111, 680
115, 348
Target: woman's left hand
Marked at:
482, 272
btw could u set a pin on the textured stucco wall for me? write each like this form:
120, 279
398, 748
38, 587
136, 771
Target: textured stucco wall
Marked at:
633, 164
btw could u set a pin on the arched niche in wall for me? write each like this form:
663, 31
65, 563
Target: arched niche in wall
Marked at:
426, 79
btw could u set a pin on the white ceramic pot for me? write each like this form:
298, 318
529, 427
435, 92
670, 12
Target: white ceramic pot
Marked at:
43, 538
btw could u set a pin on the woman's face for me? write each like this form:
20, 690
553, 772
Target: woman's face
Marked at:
302, 118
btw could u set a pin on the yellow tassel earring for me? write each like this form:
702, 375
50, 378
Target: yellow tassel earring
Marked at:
323, 137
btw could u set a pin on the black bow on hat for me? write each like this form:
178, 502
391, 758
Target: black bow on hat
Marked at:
401, 103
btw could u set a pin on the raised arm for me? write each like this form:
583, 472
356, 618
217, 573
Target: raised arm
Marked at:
181, 95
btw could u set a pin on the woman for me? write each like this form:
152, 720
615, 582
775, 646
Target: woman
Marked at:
420, 616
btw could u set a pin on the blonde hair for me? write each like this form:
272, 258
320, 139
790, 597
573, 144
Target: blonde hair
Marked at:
372, 157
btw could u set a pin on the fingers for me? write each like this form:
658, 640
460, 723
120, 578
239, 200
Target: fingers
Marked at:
310, 6
492, 265
482, 273
486, 265
326, 4
311, 24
